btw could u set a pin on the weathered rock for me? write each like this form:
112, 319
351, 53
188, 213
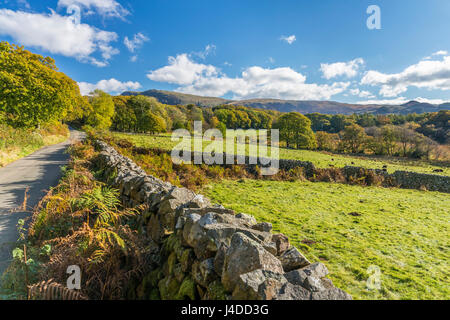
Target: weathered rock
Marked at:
154, 229
187, 259
271, 247
258, 285
219, 259
245, 255
246, 219
183, 195
168, 288
316, 270
215, 291
331, 293
203, 272
292, 259
187, 289
191, 220
292, 292
199, 202
281, 242
263, 227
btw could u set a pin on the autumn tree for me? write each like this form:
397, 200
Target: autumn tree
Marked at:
295, 130
32, 91
353, 139
102, 110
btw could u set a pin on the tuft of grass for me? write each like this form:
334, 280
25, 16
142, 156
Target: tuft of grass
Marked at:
16, 143
351, 228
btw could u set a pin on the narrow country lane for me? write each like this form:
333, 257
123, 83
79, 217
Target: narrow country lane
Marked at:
38, 172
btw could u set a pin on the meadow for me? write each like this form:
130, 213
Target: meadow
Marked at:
320, 159
350, 228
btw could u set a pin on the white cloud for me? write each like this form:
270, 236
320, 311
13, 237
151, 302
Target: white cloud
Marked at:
427, 74
106, 8
349, 69
402, 100
137, 42
112, 86
183, 71
58, 35
254, 82
289, 39
440, 53
209, 49
361, 93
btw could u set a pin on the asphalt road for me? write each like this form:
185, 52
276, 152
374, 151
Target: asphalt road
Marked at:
38, 172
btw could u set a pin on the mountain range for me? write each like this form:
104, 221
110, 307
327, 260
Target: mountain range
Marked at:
325, 107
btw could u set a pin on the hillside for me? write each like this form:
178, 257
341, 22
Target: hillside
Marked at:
325, 107
176, 98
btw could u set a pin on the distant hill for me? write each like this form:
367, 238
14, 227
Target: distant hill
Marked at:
176, 98
325, 107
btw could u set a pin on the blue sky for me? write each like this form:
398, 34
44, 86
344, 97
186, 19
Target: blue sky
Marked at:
304, 50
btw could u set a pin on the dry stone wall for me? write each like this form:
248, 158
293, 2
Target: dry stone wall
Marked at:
400, 179
204, 251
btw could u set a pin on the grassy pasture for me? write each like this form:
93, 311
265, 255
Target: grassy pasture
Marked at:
320, 159
405, 233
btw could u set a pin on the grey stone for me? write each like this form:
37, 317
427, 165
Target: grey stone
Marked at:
292, 259
245, 255
281, 242
263, 227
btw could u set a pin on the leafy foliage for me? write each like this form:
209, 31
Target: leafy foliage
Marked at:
32, 91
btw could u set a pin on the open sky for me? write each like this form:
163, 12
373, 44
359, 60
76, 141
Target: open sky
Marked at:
291, 49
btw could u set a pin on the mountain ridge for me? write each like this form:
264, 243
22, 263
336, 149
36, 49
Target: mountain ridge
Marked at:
302, 106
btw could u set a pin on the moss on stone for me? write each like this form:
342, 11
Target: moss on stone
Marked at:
168, 288
171, 261
216, 291
187, 289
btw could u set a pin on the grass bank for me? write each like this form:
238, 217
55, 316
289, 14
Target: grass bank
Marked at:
19, 143
350, 228
320, 159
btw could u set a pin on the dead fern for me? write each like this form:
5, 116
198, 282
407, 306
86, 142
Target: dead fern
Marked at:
50, 290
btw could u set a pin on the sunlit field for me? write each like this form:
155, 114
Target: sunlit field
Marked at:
350, 228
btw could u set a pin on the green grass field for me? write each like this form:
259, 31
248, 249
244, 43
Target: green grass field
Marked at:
320, 159
403, 232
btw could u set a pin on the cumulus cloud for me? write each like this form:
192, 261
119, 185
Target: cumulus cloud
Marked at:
136, 42
349, 69
401, 100
183, 71
361, 93
59, 35
289, 39
254, 82
427, 74
112, 86
106, 8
